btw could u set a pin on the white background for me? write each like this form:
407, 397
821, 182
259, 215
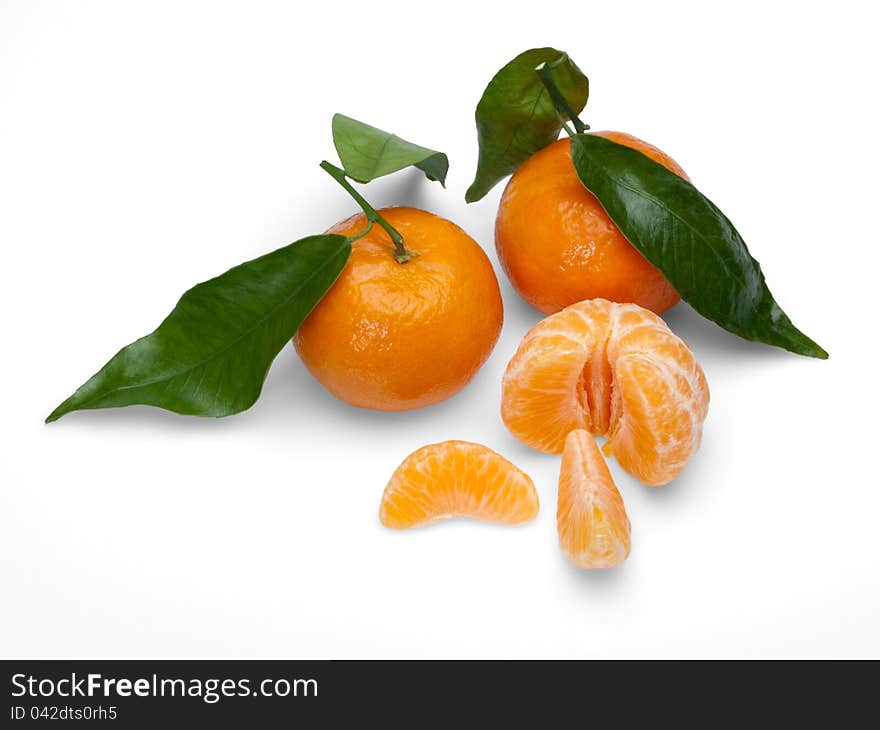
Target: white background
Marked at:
145, 146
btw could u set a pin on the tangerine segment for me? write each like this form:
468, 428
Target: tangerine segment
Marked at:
457, 479
594, 531
615, 370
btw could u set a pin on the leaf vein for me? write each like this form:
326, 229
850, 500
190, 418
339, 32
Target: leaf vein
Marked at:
696, 233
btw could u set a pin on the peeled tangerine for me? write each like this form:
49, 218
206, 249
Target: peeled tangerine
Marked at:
614, 370
590, 518
457, 479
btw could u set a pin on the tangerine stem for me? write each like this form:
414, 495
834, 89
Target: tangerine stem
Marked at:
545, 73
568, 130
401, 254
356, 236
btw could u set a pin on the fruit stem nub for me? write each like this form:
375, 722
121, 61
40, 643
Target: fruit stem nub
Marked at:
545, 73
401, 253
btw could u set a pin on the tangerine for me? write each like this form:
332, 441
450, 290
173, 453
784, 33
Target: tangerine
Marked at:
396, 336
615, 370
557, 244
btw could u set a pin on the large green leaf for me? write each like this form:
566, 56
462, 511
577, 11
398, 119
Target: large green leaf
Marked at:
211, 354
689, 239
516, 116
367, 153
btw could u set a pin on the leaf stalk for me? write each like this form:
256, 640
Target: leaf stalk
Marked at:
545, 73
401, 253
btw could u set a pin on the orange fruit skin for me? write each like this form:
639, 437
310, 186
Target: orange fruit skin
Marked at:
457, 479
591, 521
617, 371
394, 336
557, 244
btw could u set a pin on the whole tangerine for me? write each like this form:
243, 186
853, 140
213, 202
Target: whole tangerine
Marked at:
557, 244
397, 336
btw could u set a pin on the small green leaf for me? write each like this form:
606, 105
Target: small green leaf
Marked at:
211, 354
516, 116
689, 239
367, 153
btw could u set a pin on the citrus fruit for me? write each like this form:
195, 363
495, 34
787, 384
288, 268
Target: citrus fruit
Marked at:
395, 336
457, 479
558, 245
615, 370
590, 517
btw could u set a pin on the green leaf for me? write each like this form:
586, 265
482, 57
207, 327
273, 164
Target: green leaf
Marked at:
211, 354
689, 239
367, 153
516, 116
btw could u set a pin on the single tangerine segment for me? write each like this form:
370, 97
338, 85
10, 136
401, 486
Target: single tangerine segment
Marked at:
593, 528
557, 244
457, 479
615, 370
